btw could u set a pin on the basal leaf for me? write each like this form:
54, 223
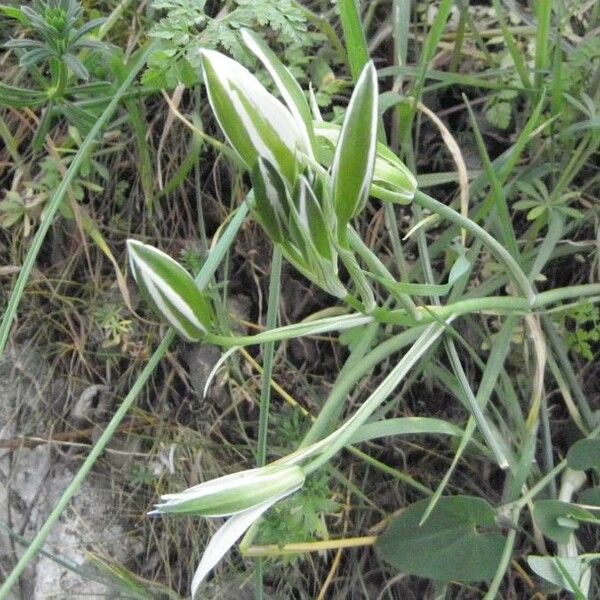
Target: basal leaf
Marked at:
460, 540
557, 520
584, 454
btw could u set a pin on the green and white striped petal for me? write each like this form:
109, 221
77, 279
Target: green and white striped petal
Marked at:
312, 219
392, 180
271, 199
170, 290
354, 158
235, 493
255, 123
227, 535
286, 83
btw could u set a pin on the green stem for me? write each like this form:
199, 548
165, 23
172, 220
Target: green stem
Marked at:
291, 331
372, 261
474, 407
59, 195
268, 351
494, 246
558, 347
357, 367
429, 314
208, 270
265, 390
58, 89
339, 438
540, 485
504, 559
395, 473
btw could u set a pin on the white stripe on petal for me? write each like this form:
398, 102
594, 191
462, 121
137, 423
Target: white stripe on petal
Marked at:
289, 100
370, 160
228, 534
152, 278
249, 477
235, 79
248, 124
165, 311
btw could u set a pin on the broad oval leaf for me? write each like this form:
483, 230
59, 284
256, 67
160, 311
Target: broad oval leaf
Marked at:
558, 520
255, 123
584, 454
460, 540
552, 568
354, 158
170, 290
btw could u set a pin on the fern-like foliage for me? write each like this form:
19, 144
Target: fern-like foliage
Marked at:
184, 26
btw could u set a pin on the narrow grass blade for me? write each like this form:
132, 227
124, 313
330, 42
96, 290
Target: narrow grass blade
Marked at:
405, 426
60, 193
433, 39
489, 377
205, 275
542, 39
505, 222
511, 44
496, 248
329, 446
354, 35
